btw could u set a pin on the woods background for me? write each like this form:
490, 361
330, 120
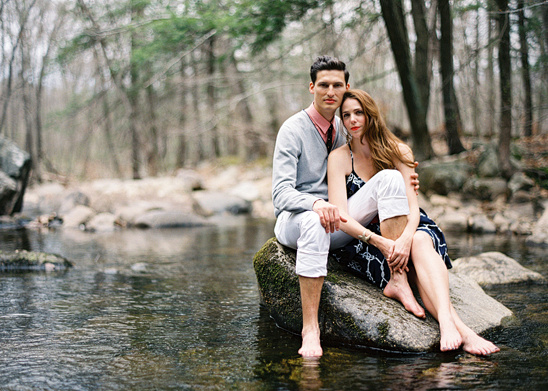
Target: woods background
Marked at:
139, 88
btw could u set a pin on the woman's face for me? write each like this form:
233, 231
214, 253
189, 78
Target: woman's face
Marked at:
353, 117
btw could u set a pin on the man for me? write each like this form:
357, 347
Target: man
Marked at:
305, 220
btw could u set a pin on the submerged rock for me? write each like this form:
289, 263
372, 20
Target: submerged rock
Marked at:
356, 313
25, 261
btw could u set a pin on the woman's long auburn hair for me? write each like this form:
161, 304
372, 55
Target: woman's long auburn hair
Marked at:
384, 144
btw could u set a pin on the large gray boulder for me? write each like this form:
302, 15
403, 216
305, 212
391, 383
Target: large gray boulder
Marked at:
485, 189
495, 268
444, 176
356, 313
540, 230
15, 165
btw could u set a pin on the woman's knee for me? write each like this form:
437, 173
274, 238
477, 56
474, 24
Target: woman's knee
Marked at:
390, 175
422, 250
391, 181
422, 240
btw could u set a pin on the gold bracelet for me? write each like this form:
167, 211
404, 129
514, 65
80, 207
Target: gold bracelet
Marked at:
365, 238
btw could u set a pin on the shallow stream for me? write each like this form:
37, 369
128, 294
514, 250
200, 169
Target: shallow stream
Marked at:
179, 309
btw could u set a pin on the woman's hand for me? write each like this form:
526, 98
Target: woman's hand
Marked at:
385, 246
400, 254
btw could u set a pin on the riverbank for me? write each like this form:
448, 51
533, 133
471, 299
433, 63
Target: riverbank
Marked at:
461, 193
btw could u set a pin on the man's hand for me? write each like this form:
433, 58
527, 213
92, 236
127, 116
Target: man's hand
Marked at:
415, 179
329, 215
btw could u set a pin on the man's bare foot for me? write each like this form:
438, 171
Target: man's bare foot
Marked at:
474, 344
450, 338
398, 289
311, 344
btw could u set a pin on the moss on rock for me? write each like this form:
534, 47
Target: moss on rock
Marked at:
353, 312
25, 261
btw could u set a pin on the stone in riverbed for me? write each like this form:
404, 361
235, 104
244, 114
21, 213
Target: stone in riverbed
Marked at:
169, 219
495, 268
356, 313
215, 202
15, 166
540, 230
25, 261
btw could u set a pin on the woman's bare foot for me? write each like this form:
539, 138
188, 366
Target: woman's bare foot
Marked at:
474, 344
398, 289
311, 346
450, 338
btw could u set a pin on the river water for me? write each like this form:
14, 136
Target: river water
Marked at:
179, 309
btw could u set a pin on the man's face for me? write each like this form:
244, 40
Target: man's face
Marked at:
328, 91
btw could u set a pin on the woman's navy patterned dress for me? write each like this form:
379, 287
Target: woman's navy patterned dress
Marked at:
365, 260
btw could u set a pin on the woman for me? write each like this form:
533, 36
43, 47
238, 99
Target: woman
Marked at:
371, 150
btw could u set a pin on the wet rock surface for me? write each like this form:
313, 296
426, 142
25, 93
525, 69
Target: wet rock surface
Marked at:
29, 261
356, 313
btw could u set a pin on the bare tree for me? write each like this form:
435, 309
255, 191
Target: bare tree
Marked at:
525, 74
505, 69
447, 70
24, 14
393, 15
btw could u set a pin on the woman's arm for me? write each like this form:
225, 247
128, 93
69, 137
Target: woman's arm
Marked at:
402, 247
339, 166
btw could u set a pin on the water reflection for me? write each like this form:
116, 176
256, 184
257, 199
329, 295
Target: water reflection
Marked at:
310, 376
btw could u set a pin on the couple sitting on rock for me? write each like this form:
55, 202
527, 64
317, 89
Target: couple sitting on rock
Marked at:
353, 192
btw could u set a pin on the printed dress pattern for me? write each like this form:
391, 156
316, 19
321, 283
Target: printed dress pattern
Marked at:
367, 262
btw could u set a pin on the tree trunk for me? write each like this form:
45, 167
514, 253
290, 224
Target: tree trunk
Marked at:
392, 12
525, 74
423, 60
248, 143
29, 139
490, 77
200, 133
127, 95
182, 149
133, 95
22, 25
505, 68
543, 88
213, 137
39, 89
475, 92
153, 150
446, 63
107, 128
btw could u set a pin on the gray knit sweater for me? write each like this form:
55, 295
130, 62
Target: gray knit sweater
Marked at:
299, 167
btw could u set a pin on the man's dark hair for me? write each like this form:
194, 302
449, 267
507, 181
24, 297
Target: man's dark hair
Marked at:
327, 63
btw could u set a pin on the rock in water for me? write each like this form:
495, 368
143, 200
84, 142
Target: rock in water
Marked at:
25, 261
354, 312
15, 165
495, 268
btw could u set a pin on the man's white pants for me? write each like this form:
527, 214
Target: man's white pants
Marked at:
384, 194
